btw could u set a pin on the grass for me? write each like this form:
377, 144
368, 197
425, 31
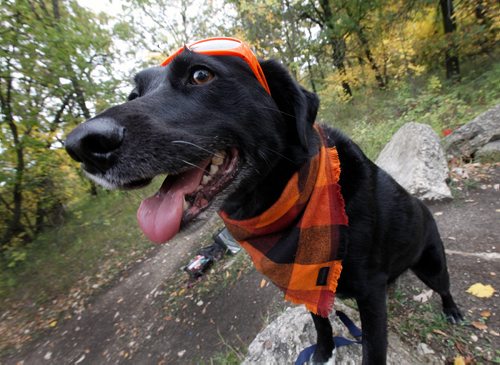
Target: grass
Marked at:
424, 323
63, 267
373, 116
231, 357
98, 232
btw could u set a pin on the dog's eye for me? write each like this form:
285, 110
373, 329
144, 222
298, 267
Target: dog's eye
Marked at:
201, 76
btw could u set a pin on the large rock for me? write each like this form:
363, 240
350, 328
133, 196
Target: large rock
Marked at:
415, 159
466, 141
490, 152
282, 341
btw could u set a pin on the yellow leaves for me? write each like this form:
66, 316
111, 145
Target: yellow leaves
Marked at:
418, 69
53, 323
459, 360
481, 291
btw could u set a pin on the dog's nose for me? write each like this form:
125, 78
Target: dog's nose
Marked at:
94, 143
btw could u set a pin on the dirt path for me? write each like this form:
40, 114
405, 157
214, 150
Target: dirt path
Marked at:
119, 321
152, 316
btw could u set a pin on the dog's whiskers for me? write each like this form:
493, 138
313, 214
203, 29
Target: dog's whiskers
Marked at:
279, 154
277, 110
197, 146
192, 164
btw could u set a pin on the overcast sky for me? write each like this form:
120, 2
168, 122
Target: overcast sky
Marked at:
111, 7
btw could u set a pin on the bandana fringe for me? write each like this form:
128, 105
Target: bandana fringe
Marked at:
296, 242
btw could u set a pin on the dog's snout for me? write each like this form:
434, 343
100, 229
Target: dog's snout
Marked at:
95, 142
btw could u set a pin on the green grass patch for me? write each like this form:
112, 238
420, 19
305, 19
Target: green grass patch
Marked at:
373, 116
98, 239
231, 357
417, 322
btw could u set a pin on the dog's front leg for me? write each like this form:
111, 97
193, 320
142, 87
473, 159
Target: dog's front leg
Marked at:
373, 313
324, 353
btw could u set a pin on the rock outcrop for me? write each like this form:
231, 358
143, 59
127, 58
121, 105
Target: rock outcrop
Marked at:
284, 338
478, 139
415, 159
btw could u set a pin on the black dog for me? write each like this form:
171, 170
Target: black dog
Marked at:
226, 143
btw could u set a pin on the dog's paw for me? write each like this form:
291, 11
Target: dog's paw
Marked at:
330, 361
453, 315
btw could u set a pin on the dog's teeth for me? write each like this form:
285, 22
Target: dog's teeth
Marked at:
206, 179
213, 169
217, 160
185, 205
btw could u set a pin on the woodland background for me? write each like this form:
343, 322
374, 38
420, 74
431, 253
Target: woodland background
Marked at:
375, 64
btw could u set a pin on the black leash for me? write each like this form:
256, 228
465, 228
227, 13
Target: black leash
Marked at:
340, 341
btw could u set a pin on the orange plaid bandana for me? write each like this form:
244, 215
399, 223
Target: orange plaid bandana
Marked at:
295, 243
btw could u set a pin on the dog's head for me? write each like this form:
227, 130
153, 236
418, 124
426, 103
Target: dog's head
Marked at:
205, 121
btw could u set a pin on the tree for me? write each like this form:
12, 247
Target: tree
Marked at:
451, 52
322, 14
55, 66
162, 26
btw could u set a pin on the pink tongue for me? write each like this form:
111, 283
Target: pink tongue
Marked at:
160, 215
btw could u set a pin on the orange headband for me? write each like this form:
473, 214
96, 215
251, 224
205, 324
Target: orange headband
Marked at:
224, 46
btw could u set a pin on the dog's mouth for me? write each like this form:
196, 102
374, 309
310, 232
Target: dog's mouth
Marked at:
184, 196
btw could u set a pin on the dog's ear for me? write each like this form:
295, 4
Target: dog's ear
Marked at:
297, 105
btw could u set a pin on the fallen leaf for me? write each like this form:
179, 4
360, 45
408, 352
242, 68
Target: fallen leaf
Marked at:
423, 297
459, 360
439, 332
460, 347
479, 325
53, 324
485, 314
438, 213
263, 283
481, 290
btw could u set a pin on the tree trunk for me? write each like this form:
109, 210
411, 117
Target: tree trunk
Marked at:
345, 85
338, 55
451, 53
311, 76
14, 225
338, 47
369, 57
